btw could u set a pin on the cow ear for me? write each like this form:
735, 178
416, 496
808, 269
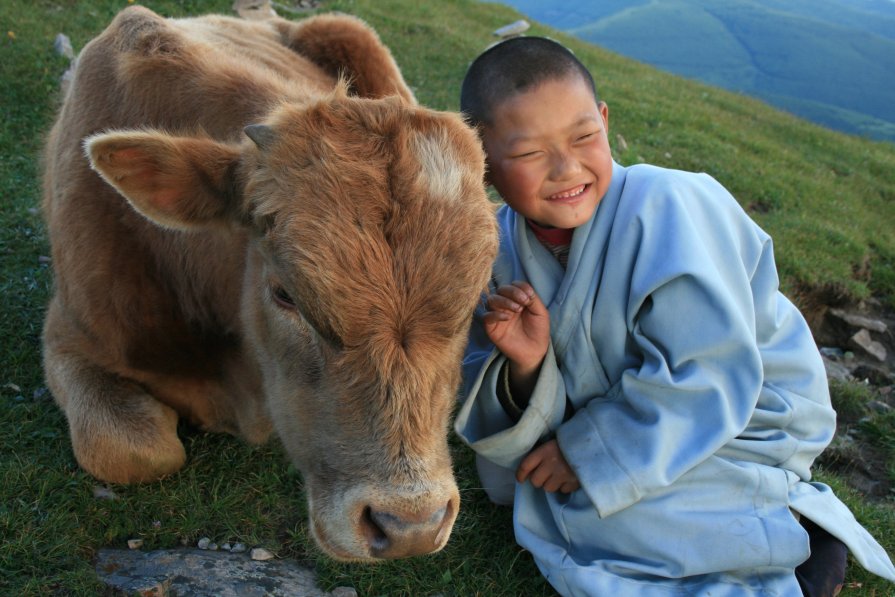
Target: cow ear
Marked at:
177, 182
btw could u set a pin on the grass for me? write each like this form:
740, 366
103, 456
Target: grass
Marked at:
825, 197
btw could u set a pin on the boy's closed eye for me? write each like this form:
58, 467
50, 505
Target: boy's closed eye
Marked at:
587, 136
526, 154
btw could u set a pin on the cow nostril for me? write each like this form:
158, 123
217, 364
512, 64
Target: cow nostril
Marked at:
377, 539
390, 535
446, 519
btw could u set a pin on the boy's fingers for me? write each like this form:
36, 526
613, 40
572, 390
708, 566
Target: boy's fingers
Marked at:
570, 487
523, 293
516, 293
524, 287
495, 317
528, 464
497, 302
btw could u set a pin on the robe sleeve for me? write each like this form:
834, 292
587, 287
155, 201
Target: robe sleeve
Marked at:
691, 255
482, 422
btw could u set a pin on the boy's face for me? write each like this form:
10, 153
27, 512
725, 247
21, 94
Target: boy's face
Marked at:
548, 152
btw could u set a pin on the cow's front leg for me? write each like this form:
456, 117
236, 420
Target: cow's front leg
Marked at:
119, 432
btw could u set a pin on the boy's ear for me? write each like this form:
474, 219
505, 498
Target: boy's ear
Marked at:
178, 182
603, 107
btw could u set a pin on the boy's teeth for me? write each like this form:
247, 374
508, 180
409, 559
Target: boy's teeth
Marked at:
567, 194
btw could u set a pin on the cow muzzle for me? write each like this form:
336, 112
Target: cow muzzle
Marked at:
395, 533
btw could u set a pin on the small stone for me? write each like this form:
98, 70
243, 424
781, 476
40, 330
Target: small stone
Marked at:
831, 352
879, 406
204, 542
878, 376
836, 370
621, 143
254, 9
226, 547
238, 548
864, 342
343, 592
104, 493
859, 321
513, 29
212, 546
62, 45
134, 543
260, 554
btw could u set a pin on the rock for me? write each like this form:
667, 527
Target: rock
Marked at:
134, 543
620, 143
62, 45
259, 554
238, 548
879, 406
832, 352
204, 542
878, 376
513, 29
301, 6
863, 342
195, 572
226, 547
859, 321
343, 592
254, 10
104, 493
836, 370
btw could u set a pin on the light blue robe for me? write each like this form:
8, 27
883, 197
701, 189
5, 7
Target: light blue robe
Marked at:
700, 401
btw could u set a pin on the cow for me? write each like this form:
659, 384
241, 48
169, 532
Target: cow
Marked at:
255, 228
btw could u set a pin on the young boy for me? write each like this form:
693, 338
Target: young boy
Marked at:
635, 368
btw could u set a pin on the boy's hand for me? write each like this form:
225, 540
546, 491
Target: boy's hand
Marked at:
518, 324
546, 467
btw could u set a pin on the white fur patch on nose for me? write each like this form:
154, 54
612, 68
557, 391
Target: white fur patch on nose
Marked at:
440, 171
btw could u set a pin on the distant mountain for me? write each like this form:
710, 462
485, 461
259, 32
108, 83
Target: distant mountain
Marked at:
829, 61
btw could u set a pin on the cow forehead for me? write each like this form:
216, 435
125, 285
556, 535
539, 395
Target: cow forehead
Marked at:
360, 171
441, 170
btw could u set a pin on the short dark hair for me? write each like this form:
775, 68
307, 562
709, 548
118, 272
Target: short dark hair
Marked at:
513, 66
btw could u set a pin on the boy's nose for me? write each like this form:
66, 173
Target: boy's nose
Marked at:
563, 166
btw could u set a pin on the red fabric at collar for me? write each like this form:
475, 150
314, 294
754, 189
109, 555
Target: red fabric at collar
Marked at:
558, 237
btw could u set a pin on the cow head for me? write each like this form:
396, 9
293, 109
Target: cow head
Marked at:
371, 239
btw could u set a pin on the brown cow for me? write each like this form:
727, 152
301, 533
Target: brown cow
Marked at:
314, 275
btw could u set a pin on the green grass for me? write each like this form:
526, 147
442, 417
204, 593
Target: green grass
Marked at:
826, 198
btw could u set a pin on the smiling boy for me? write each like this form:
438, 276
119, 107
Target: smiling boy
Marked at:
635, 384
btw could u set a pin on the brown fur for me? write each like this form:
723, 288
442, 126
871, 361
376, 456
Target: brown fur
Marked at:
178, 242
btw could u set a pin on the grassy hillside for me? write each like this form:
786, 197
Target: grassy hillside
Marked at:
828, 200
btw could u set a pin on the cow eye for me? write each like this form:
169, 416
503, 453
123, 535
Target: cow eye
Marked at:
282, 298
